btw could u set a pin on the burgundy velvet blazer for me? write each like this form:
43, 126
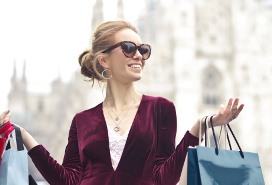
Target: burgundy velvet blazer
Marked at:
149, 156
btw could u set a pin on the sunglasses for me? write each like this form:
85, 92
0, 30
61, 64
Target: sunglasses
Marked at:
129, 49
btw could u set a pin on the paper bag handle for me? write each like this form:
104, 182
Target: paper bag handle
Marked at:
216, 149
207, 139
18, 138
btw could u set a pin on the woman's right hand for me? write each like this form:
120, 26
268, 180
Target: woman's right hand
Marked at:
4, 118
28, 140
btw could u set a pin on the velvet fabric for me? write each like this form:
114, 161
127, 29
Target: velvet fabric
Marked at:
149, 156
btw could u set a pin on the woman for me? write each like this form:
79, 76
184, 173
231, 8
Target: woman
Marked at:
129, 138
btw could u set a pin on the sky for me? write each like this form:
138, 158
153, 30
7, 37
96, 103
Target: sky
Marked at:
48, 36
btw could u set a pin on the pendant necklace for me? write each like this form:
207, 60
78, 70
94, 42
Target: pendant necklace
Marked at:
117, 116
117, 127
116, 119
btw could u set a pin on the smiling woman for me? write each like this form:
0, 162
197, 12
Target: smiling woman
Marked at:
129, 138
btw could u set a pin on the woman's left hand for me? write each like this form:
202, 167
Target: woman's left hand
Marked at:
229, 113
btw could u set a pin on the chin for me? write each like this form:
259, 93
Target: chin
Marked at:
138, 77
135, 78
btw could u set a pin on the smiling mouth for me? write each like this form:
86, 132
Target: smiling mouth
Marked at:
135, 66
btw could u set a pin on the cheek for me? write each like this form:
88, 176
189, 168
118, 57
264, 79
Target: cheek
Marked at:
143, 64
118, 66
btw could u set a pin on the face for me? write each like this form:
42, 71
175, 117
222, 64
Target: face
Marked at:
124, 69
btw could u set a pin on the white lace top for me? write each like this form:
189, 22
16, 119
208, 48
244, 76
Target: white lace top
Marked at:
117, 145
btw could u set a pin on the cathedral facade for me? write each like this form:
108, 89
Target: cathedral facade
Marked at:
203, 52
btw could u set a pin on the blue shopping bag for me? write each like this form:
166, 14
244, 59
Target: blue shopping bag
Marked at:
212, 166
228, 167
193, 175
14, 165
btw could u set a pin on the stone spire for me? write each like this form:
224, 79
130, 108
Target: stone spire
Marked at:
14, 79
24, 73
14, 76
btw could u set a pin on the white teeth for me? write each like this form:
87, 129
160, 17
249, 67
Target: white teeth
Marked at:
135, 66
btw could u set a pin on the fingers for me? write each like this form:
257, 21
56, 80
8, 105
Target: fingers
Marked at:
4, 118
230, 112
239, 110
7, 119
229, 105
235, 104
235, 110
221, 109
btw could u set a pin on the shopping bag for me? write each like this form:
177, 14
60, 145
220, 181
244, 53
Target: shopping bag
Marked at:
2, 146
212, 166
5, 130
191, 173
14, 166
184, 174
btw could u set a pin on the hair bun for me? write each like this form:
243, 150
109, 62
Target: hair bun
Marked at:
85, 60
82, 57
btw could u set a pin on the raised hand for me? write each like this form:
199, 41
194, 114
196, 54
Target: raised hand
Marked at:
229, 113
4, 118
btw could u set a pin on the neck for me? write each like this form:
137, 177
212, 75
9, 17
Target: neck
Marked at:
120, 95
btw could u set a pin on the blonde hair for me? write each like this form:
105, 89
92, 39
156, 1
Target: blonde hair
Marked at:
102, 39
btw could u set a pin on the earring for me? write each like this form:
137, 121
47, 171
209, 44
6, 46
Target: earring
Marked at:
106, 78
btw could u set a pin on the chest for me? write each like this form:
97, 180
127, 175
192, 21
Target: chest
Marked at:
122, 122
140, 142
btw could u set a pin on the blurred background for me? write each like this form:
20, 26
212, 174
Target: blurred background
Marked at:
203, 53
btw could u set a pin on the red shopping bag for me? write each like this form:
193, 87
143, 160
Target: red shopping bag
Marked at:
2, 145
6, 129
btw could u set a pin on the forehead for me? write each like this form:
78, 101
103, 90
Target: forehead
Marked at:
127, 35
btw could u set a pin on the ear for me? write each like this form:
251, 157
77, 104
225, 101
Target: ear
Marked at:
103, 61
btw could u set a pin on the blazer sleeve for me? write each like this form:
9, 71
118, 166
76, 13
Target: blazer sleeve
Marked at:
69, 173
169, 160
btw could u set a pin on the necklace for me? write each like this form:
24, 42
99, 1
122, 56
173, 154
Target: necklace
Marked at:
117, 127
117, 115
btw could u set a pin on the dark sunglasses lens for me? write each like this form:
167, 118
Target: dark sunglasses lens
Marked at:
145, 51
129, 48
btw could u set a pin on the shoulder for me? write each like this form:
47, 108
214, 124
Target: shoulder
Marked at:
157, 99
159, 102
164, 109
89, 112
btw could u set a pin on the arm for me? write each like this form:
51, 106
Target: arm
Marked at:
69, 173
28, 140
169, 161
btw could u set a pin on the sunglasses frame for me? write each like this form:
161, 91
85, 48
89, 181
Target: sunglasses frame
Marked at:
123, 42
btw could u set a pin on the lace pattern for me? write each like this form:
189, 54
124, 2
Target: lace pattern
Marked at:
116, 145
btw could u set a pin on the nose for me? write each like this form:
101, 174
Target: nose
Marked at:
137, 55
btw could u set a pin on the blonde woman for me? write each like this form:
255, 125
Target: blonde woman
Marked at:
129, 138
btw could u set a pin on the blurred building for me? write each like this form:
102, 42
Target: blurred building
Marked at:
203, 52
47, 116
208, 51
